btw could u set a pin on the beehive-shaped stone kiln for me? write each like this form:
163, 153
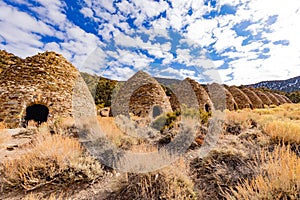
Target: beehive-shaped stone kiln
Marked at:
255, 100
221, 97
203, 98
280, 98
37, 88
273, 98
264, 98
240, 97
140, 95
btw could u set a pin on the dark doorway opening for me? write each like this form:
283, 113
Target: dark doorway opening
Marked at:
37, 112
157, 110
251, 106
206, 107
235, 107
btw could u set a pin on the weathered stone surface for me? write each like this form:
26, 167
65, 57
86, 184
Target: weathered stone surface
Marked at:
185, 94
46, 79
240, 97
204, 101
286, 99
265, 99
273, 98
174, 102
280, 98
255, 100
50, 80
138, 96
221, 97
104, 112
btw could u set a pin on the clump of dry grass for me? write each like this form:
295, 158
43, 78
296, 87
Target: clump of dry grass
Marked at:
52, 160
240, 117
167, 183
286, 131
222, 169
279, 178
284, 111
115, 134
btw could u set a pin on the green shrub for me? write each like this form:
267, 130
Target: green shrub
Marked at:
166, 121
294, 96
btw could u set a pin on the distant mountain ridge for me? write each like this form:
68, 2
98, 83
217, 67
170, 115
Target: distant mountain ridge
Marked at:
289, 85
167, 81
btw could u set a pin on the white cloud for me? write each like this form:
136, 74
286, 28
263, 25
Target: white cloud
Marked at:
118, 73
180, 74
128, 41
283, 61
139, 61
107, 4
126, 7
51, 12
218, 76
87, 12
52, 46
95, 62
201, 31
22, 21
23, 35
151, 8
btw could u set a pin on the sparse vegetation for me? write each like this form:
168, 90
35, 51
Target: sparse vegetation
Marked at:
52, 160
168, 183
252, 160
166, 121
101, 88
223, 168
279, 178
294, 96
286, 131
117, 136
200, 114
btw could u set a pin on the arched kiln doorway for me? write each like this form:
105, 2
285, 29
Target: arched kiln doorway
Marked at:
37, 112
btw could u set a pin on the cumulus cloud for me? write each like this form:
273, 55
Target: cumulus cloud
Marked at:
87, 12
127, 58
238, 41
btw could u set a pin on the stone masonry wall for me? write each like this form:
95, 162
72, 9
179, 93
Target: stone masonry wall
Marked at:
47, 79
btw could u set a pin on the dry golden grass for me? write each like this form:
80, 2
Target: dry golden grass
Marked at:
223, 168
112, 132
241, 117
53, 159
167, 183
279, 178
264, 116
115, 134
285, 111
63, 123
2, 126
286, 131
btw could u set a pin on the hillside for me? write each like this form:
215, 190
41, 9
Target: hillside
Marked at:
167, 81
289, 85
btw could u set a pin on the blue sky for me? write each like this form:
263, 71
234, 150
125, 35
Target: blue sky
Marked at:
230, 41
